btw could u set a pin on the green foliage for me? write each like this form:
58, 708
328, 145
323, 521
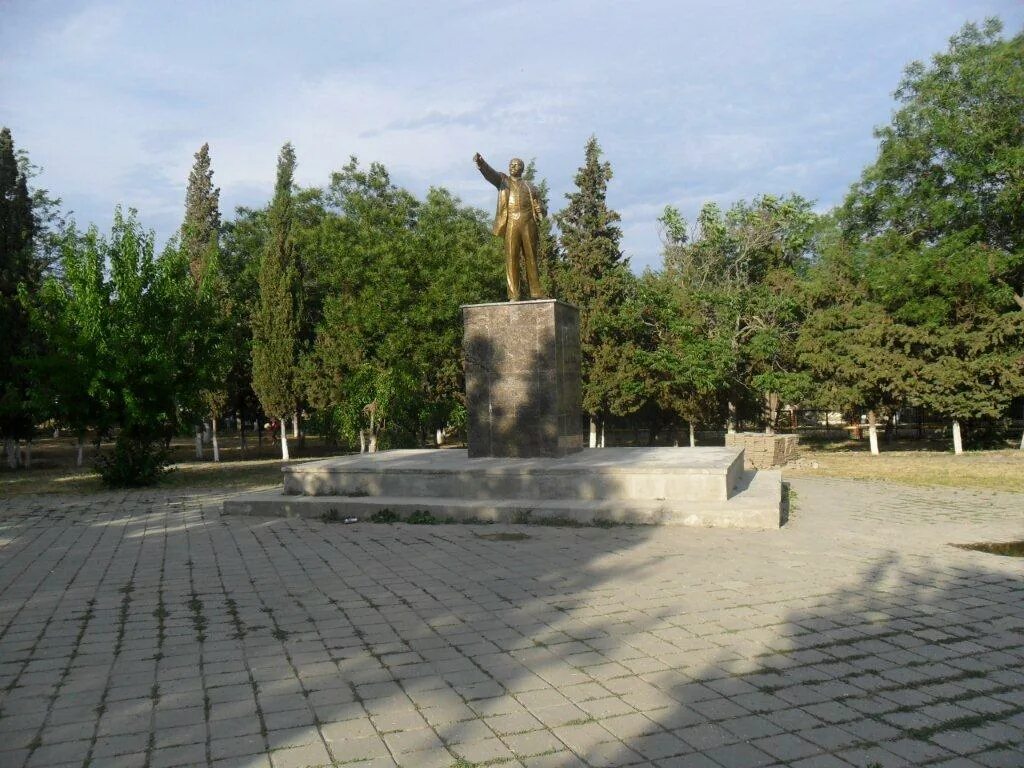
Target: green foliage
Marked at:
385, 360
20, 275
732, 308
200, 245
937, 229
422, 517
594, 275
685, 366
135, 462
71, 314
384, 515
242, 245
201, 228
123, 347
275, 322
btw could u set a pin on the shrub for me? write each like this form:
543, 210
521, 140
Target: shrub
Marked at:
135, 462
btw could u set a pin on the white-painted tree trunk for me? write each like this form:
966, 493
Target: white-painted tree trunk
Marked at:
439, 437
593, 433
693, 436
199, 443
730, 422
284, 441
771, 407
873, 432
206, 433
362, 441
958, 445
79, 445
213, 437
1022, 441
295, 425
11, 447
602, 435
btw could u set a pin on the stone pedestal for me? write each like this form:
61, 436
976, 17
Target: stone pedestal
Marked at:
522, 364
763, 451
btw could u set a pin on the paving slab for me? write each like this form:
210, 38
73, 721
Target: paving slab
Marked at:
147, 628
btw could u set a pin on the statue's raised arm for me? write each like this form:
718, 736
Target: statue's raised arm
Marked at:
488, 173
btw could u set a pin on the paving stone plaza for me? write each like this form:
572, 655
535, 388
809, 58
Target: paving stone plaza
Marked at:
147, 629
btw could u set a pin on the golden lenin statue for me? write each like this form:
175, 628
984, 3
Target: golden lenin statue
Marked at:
519, 211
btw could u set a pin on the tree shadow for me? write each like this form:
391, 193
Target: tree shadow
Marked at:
152, 626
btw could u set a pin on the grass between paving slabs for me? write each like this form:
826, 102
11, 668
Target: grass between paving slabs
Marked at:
1001, 470
1005, 548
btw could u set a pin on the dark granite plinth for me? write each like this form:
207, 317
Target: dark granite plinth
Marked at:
522, 362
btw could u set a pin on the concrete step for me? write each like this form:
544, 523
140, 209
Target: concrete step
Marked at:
756, 503
625, 474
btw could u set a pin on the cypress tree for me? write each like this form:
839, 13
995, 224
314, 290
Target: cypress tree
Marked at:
594, 275
200, 245
19, 271
202, 214
275, 325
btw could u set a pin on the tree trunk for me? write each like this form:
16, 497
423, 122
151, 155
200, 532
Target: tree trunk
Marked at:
11, 447
1022, 441
693, 436
593, 433
958, 445
439, 437
27, 459
373, 431
241, 436
771, 402
362, 441
213, 431
199, 443
873, 433
602, 433
295, 425
284, 440
79, 444
730, 424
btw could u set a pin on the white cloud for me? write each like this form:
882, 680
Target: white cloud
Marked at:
690, 102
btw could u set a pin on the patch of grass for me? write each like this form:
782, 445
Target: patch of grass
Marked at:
1005, 548
385, 516
1001, 470
557, 522
502, 536
422, 517
330, 516
195, 605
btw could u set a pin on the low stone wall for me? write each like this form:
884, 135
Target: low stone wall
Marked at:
762, 451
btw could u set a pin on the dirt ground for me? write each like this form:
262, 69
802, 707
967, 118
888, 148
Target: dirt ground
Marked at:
919, 464
53, 467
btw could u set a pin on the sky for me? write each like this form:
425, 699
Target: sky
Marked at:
691, 101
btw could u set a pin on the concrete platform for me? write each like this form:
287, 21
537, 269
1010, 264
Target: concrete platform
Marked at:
676, 486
